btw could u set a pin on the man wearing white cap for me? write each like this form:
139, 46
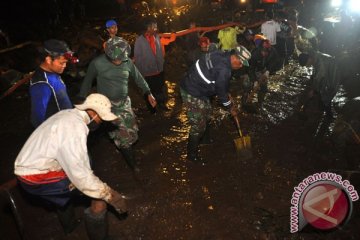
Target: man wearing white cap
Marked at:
54, 161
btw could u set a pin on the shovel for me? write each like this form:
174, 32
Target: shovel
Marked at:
243, 143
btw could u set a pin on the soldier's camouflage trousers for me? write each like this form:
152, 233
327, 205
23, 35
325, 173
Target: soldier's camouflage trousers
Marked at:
198, 113
126, 131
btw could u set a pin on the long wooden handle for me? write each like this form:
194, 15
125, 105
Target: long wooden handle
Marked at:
238, 125
16, 85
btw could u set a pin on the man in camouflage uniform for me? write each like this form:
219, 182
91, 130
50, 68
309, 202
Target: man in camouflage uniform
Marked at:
112, 71
209, 76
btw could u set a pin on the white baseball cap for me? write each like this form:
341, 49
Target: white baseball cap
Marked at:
100, 104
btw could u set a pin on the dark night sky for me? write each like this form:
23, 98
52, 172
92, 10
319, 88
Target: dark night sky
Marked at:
23, 18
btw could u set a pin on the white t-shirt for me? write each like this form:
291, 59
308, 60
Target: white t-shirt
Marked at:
269, 29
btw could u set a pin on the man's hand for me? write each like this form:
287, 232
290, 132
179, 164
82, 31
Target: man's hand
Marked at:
152, 100
118, 201
233, 110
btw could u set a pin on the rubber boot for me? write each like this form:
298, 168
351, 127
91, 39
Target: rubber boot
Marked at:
96, 225
261, 97
129, 156
206, 137
66, 216
193, 149
329, 112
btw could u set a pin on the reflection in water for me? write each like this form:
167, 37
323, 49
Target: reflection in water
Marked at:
281, 102
284, 88
171, 94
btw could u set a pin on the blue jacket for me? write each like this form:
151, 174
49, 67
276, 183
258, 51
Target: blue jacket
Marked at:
146, 61
215, 68
48, 96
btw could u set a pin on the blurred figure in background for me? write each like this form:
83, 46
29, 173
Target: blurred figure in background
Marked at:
325, 79
149, 59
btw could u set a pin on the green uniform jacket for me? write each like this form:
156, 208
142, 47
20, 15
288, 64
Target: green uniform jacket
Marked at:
112, 80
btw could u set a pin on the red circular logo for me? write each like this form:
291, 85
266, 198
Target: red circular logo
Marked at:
325, 206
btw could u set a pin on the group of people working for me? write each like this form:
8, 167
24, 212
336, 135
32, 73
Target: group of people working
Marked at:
54, 160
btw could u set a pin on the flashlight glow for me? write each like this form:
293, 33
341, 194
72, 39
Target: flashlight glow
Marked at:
336, 3
354, 6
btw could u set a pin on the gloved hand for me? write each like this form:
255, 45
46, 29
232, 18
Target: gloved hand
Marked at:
118, 201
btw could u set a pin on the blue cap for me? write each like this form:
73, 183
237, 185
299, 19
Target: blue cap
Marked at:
110, 23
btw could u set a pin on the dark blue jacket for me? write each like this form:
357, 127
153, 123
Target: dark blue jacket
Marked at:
48, 96
216, 69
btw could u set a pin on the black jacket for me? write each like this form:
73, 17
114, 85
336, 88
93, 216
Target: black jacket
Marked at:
216, 68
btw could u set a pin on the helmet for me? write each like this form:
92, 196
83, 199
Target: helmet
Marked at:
248, 32
117, 48
100, 104
243, 54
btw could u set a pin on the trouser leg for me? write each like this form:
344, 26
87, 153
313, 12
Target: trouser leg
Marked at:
206, 137
193, 148
66, 216
198, 113
129, 156
96, 224
157, 84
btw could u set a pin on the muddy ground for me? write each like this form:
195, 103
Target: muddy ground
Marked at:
228, 198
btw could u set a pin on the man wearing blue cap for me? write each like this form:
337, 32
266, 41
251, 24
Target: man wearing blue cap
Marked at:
111, 28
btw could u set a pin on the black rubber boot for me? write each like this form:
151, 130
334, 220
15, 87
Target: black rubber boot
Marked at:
129, 156
96, 225
206, 137
261, 98
66, 216
329, 111
193, 149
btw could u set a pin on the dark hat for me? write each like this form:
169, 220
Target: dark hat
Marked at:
56, 47
117, 48
303, 59
249, 32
